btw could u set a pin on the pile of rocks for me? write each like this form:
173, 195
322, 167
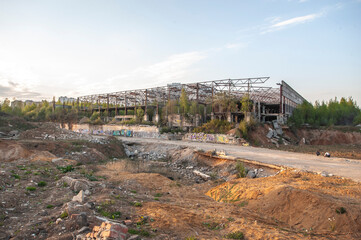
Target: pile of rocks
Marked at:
106, 231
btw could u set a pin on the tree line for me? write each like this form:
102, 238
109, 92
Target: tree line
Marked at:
334, 112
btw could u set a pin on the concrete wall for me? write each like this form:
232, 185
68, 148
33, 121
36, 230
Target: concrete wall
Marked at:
212, 138
117, 130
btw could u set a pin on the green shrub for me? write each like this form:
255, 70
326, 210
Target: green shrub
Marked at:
340, 210
41, 184
64, 215
50, 206
241, 170
235, 235
15, 176
66, 169
137, 204
214, 126
31, 188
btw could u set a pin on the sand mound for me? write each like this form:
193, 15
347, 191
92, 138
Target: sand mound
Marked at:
298, 200
10, 151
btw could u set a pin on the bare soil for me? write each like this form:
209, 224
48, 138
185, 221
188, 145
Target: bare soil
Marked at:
162, 198
340, 142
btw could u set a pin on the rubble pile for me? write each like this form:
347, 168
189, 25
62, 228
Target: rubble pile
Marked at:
52, 131
276, 135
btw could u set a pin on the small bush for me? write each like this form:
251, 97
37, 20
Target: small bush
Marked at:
158, 195
41, 184
64, 215
340, 210
50, 206
15, 176
137, 204
138, 232
241, 170
66, 169
235, 235
31, 188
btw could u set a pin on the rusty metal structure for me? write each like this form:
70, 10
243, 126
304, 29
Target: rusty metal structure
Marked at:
270, 101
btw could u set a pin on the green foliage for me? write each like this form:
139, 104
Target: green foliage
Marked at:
64, 215
31, 188
140, 115
137, 204
140, 232
66, 169
340, 210
50, 206
241, 170
15, 176
94, 116
246, 104
243, 129
214, 126
42, 184
184, 103
334, 112
235, 235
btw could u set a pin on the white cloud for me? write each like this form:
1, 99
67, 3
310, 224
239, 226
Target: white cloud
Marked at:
175, 68
276, 24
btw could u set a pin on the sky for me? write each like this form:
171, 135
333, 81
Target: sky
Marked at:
80, 47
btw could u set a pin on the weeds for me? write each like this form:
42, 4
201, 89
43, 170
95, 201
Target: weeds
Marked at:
63, 215
213, 225
340, 210
241, 170
66, 169
50, 206
235, 235
42, 184
157, 195
15, 176
30, 188
140, 232
137, 204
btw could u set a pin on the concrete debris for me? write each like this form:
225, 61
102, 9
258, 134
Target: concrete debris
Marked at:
202, 175
74, 184
79, 197
107, 231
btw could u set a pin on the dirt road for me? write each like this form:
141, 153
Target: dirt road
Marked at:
337, 166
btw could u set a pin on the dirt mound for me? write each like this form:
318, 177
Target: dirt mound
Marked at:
12, 151
301, 209
298, 200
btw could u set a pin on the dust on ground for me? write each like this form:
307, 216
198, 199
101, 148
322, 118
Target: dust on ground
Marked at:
156, 194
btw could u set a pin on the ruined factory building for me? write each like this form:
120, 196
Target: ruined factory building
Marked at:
268, 103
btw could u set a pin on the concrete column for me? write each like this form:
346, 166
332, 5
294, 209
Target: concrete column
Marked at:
212, 115
156, 118
146, 118
198, 118
259, 111
229, 117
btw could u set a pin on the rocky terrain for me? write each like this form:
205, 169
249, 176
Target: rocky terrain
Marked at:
57, 184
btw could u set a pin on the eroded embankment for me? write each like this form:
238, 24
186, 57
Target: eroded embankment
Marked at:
299, 201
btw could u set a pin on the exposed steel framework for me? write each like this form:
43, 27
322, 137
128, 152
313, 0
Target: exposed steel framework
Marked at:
202, 92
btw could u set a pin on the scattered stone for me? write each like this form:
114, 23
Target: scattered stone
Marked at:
108, 230
83, 230
79, 197
251, 174
74, 184
58, 220
134, 237
128, 222
202, 175
87, 192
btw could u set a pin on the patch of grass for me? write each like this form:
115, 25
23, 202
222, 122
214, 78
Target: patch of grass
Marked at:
341, 210
50, 206
66, 169
231, 219
42, 184
21, 167
243, 203
15, 176
28, 172
65, 184
241, 170
235, 235
157, 195
90, 177
30, 188
133, 191
137, 204
63, 215
213, 225
191, 238
140, 232
156, 199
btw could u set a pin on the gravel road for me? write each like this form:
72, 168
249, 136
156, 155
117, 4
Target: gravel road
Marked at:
343, 167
